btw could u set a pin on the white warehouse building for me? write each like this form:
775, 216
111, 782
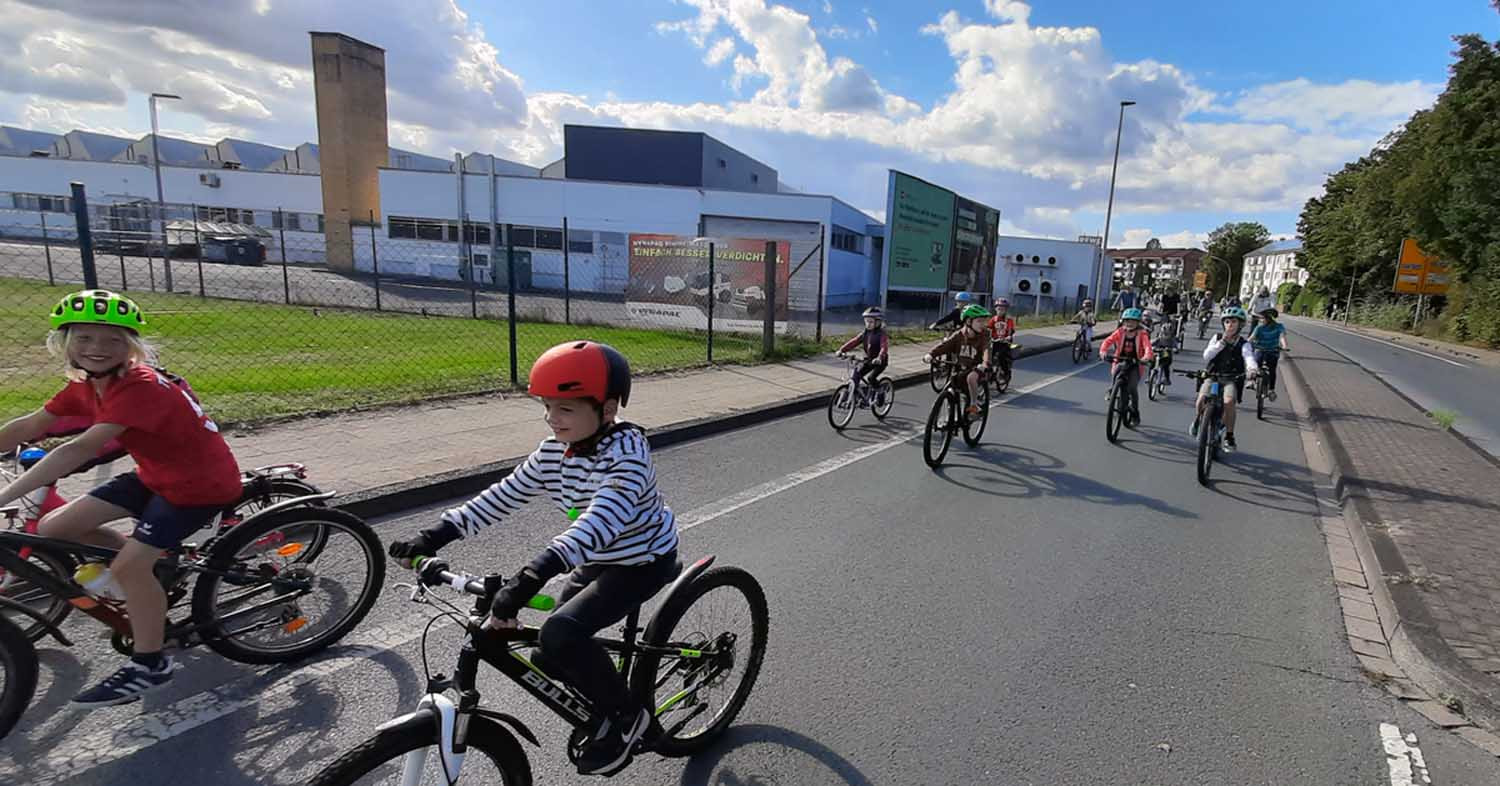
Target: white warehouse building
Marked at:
1271, 266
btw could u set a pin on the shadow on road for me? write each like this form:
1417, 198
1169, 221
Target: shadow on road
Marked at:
705, 768
1036, 473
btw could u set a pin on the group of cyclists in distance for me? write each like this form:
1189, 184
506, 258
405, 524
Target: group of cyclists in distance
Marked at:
1150, 327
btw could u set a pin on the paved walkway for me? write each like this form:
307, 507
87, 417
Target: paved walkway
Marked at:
359, 451
1423, 490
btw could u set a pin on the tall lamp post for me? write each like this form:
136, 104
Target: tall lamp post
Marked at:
161, 207
1228, 272
1108, 211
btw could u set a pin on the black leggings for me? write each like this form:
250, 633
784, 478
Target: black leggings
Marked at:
1267, 361
1000, 355
595, 597
872, 366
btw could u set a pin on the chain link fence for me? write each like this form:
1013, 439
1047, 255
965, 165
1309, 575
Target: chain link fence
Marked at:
269, 313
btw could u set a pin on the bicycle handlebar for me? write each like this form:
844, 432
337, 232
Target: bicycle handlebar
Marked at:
433, 572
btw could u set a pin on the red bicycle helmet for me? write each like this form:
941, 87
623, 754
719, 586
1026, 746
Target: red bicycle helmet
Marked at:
581, 369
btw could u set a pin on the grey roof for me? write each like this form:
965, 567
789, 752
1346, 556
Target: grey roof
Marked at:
1277, 247
96, 147
172, 151
406, 159
217, 229
252, 155
20, 141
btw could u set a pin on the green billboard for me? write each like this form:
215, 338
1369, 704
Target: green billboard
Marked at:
919, 221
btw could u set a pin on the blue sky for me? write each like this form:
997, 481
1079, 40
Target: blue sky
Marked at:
1243, 106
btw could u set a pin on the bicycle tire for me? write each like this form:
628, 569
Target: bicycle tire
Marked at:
1078, 352
227, 552
840, 416
1114, 416
973, 435
280, 490
57, 608
19, 665
1206, 429
390, 746
940, 419
643, 677
1152, 391
1001, 379
885, 398
1260, 399
937, 375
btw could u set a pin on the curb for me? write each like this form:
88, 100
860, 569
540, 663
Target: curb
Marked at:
1418, 656
429, 489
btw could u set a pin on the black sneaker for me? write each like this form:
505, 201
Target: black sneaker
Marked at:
609, 748
1229, 445
127, 684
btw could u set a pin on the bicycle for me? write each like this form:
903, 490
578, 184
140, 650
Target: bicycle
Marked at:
1181, 332
262, 487
19, 671
676, 674
267, 567
950, 413
940, 371
1156, 378
1203, 319
1081, 346
1211, 419
1121, 408
999, 373
849, 396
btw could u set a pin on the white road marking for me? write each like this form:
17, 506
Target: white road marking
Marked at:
1384, 343
1402, 757
109, 738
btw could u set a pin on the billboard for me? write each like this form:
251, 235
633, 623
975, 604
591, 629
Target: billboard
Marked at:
937, 240
1420, 273
670, 284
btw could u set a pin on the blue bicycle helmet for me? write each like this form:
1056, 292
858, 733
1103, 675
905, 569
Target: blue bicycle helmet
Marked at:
966, 297
1131, 313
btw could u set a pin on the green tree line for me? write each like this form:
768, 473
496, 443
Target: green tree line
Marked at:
1436, 179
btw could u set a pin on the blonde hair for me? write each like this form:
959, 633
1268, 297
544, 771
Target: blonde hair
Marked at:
141, 352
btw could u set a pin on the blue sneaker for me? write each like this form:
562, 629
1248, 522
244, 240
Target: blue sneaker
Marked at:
128, 684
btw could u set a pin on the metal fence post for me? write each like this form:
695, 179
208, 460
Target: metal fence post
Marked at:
198, 241
712, 297
374, 260
567, 282
818, 334
286, 281
510, 275
124, 282
47, 249
768, 323
85, 236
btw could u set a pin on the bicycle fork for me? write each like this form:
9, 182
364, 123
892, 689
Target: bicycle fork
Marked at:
451, 720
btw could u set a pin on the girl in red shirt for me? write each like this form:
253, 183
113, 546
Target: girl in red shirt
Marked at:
184, 476
1129, 340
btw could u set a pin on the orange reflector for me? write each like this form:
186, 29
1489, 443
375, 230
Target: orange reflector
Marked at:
295, 625
290, 550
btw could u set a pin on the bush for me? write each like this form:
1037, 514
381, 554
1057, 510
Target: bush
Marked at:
1382, 314
1286, 294
1308, 303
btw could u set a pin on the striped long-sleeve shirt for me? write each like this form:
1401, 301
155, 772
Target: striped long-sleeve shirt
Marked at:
621, 518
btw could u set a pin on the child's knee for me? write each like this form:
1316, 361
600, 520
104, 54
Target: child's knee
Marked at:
561, 633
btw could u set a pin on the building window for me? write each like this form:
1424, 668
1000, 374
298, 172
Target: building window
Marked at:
40, 203
549, 239
723, 164
400, 228
525, 237
844, 240
580, 242
754, 178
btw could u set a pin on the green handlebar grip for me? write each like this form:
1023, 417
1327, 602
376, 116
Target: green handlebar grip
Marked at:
541, 602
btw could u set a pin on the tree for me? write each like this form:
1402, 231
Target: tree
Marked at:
1231, 242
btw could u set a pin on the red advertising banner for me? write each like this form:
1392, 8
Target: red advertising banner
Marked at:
670, 283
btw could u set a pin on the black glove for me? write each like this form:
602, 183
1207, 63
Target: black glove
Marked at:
425, 544
519, 590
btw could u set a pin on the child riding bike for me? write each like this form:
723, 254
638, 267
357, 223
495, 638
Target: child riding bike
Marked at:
621, 546
955, 317
1129, 341
1228, 353
1002, 329
1269, 340
971, 344
1164, 341
185, 473
876, 344
1086, 319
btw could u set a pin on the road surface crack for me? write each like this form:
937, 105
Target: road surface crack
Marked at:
1310, 672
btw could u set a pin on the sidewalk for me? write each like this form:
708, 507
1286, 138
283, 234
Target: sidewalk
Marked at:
1430, 505
378, 455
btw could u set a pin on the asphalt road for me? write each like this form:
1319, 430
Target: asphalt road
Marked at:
1046, 609
1432, 380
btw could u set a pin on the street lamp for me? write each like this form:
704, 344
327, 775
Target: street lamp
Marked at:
1114, 169
1228, 272
161, 207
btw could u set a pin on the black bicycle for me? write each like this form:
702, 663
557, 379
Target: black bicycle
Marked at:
950, 415
1002, 364
1121, 409
849, 396
18, 674
1204, 317
1081, 348
940, 371
1157, 375
1181, 319
685, 658
1211, 419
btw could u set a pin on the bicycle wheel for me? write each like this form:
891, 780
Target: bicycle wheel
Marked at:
1078, 351
841, 406
18, 674
1152, 381
278, 490
938, 375
885, 398
275, 603
1260, 399
380, 759
51, 607
1114, 415
1206, 428
723, 611
974, 428
939, 435
1001, 379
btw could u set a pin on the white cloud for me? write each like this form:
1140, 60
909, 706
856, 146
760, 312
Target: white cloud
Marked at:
719, 52
1137, 238
1356, 104
838, 31
871, 23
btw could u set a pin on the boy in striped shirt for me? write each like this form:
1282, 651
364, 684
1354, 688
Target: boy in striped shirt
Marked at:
621, 545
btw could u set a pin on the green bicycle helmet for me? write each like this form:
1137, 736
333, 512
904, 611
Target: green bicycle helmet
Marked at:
98, 307
970, 312
1131, 313
1234, 312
